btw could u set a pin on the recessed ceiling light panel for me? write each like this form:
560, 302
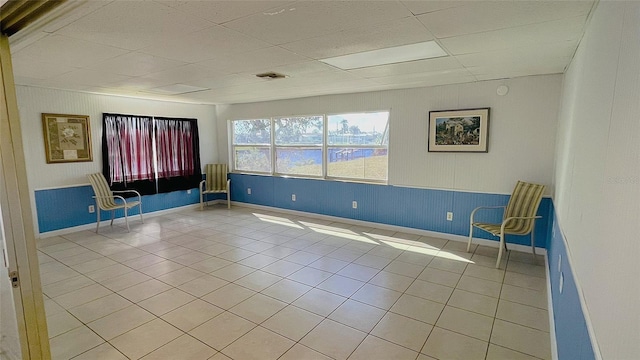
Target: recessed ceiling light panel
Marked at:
392, 55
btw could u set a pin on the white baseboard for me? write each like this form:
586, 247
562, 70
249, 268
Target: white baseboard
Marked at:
92, 226
484, 242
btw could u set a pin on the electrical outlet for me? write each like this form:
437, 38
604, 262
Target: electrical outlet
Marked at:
561, 282
189, 191
92, 209
449, 216
293, 197
249, 191
354, 204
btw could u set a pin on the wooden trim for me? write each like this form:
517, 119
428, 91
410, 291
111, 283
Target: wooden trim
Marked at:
18, 218
18, 14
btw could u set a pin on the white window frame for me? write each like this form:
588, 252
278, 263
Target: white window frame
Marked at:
324, 148
327, 147
232, 148
274, 152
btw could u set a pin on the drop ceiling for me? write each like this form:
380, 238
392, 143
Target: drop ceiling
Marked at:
210, 51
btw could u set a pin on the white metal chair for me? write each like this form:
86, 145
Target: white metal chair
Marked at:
518, 219
106, 200
216, 182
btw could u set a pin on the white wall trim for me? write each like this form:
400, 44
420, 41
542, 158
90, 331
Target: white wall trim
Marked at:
583, 303
92, 226
61, 187
550, 312
408, 230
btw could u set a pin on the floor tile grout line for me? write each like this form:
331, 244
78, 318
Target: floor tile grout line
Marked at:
344, 246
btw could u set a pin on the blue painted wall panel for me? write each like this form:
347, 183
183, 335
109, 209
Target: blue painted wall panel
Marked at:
572, 335
68, 207
402, 206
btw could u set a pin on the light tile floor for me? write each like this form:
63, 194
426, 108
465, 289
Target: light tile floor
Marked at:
247, 284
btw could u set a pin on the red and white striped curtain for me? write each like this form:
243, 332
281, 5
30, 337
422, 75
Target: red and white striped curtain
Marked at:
175, 147
130, 148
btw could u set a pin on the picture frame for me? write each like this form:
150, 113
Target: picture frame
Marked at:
465, 130
67, 138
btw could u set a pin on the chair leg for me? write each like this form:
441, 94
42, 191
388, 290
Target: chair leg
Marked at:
98, 219
113, 215
126, 219
140, 209
500, 251
470, 237
228, 200
533, 245
201, 204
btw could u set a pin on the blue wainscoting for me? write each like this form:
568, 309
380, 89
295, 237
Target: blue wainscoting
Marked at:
416, 208
572, 334
67, 207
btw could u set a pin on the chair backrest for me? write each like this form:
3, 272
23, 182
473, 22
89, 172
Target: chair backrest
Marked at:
216, 177
104, 196
524, 201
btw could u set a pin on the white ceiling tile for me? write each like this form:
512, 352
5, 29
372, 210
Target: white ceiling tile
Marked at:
217, 82
324, 77
220, 12
215, 41
411, 67
423, 7
133, 24
427, 77
514, 58
569, 30
84, 77
371, 37
38, 69
182, 74
137, 83
307, 19
302, 68
479, 16
66, 51
259, 60
135, 64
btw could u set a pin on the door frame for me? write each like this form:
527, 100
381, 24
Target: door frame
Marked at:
18, 219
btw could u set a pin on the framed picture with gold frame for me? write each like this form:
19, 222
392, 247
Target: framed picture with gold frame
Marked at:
67, 138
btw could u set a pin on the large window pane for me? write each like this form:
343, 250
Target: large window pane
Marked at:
299, 161
357, 163
252, 158
299, 130
247, 132
358, 129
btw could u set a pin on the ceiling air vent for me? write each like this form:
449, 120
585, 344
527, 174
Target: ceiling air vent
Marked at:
271, 75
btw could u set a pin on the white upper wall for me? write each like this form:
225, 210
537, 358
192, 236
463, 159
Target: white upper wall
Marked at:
597, 177
521, 131
32, 102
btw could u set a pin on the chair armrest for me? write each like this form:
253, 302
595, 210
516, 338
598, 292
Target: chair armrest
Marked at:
127, 191
484, 207
505, 221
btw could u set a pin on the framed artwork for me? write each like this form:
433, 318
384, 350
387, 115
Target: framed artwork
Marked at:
464, 130
67, 138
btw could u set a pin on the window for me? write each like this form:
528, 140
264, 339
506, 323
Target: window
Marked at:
151, 155
350, 146
252, 145
299, 145
357, 146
